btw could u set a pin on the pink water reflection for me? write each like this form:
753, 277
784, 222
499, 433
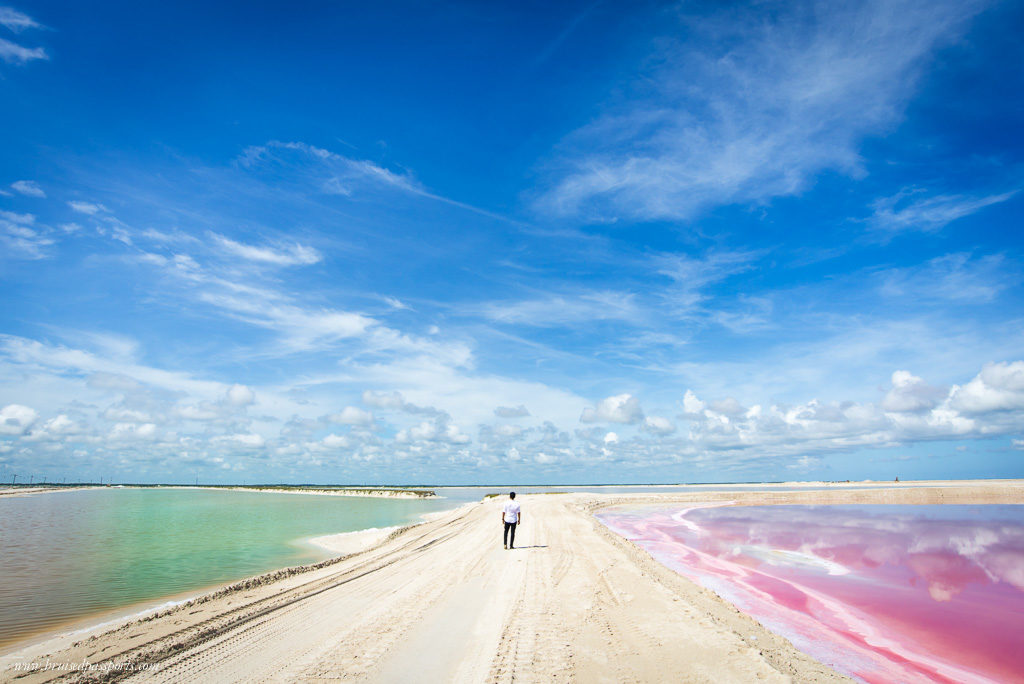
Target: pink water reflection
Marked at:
883, 593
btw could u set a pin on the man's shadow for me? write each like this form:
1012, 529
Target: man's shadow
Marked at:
538, 546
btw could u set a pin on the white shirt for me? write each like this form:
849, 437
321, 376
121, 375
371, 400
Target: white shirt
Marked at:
512, 509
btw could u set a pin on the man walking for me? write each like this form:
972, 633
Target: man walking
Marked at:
511, 516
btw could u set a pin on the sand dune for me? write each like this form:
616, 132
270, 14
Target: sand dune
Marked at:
442, 601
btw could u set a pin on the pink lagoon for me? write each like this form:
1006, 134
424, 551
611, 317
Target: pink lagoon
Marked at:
880, 592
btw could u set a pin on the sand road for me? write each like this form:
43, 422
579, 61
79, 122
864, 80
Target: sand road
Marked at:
443, 601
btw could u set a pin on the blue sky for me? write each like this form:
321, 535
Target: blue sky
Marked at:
511, 242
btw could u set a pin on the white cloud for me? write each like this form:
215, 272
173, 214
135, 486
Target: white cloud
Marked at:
911, 394
243, 440
127, 432
438, 430
989, 405
909, 210
336, 174
18, 54
125, 415
622, 408
955, 277
240, 395
339, 174
511, 411
302, 329
656, 425
691, 404
14, 20
333, 441
201, 413
565, 310
388, 400
611, 438
22, 236
691, 276
28, 188
280, 255
396, 304
61, 425
16, 419
19, 219
999, 387
87, 208
752, 105
351, 415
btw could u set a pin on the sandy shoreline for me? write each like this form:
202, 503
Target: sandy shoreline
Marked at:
574, 602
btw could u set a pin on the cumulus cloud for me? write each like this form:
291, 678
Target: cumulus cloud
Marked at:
999, 387
333, 441
692, 406
511, 411
128, 432
990, 404
61, 425
621, 408
28, 188
437, 430
240, 395
911, 394
16, 419
656, 425
242, 440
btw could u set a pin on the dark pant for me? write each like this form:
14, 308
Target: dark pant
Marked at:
510, 541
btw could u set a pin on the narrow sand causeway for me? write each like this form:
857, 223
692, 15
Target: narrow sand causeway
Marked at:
442, 601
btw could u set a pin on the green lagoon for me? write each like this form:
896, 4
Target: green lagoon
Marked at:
67, 556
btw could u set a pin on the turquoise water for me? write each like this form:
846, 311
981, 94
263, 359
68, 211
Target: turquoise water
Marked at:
69, 555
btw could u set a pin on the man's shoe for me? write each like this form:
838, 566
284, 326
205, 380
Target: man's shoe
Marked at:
506, 547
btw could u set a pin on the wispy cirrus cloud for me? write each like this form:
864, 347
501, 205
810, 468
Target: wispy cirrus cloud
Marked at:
19, 54
914, 210
28, 188
87, 208
770, 96
332, 173
279, 255
563, 310
958, 277
22, 236
17, 22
